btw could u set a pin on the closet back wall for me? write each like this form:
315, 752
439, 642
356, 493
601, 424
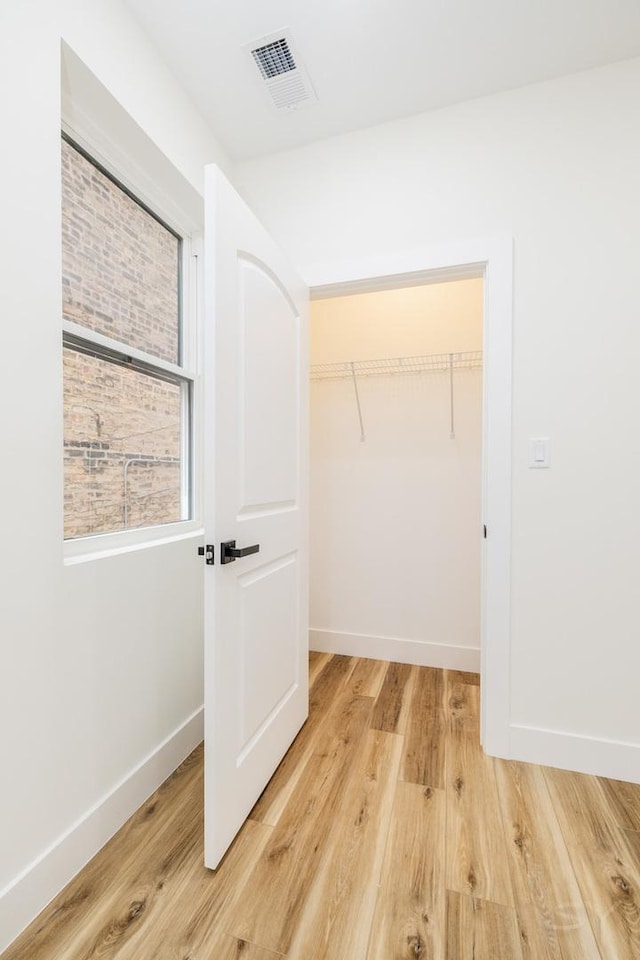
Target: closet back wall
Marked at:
395, 520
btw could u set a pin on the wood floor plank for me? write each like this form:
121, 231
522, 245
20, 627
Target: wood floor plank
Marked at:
367, 677
476, 851
206, 899
464, 676
109, 896
279, 886
537, 941
623, 800
480, 930
330, 679
541, 871
606, 866
409, 920
392, 704
424, 739
633, 841
139, 901
462, 705
324, 699
317, 662
232, 948
336, 920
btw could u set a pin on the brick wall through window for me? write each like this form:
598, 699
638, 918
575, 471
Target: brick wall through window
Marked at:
122, 426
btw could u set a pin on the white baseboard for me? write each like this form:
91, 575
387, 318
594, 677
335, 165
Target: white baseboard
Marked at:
29, 893
615, 759
419, 652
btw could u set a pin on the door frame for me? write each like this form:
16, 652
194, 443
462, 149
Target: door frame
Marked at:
492, 259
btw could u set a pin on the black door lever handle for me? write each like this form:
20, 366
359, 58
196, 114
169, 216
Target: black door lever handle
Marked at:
229, 552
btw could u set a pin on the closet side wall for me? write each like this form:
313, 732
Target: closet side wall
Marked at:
395, 520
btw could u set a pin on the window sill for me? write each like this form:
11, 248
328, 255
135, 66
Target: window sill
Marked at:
105, 545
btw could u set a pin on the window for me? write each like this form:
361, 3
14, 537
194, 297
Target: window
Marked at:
127, 394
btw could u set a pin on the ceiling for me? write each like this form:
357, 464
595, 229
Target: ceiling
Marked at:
375, 60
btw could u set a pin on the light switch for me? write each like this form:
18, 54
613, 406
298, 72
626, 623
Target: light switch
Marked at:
539, 452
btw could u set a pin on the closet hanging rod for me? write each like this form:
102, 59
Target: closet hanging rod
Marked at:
430, 363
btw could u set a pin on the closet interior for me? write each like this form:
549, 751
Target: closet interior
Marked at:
396, 452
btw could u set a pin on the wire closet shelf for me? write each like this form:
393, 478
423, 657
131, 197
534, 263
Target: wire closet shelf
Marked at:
391, 366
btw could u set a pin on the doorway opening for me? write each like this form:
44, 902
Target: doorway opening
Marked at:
489, 259
396, 465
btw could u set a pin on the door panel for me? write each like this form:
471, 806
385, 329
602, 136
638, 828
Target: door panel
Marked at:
268, 390
269, 672
255, 492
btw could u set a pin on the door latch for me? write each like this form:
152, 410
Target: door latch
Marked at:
208, 552
229, 552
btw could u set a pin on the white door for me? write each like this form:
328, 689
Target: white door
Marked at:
255, 493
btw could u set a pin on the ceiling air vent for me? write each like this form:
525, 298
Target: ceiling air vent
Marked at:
274, 59
283, 76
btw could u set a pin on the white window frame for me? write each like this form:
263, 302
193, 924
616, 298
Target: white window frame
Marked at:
185, 373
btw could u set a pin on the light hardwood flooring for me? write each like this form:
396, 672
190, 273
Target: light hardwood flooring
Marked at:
385, 834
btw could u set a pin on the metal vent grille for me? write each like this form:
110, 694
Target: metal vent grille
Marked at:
274, 59
289, 93
283, 76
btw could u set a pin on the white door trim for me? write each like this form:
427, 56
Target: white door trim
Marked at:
492, 258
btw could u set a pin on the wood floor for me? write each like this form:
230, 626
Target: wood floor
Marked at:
385, 834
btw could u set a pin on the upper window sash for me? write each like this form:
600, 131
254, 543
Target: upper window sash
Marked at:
125, 233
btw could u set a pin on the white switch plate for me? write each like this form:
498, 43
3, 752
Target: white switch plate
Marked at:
538, 452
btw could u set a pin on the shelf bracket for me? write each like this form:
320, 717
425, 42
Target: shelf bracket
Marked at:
363, 436
452, 429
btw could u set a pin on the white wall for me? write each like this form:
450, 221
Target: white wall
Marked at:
395, 521
557, 165
101, 672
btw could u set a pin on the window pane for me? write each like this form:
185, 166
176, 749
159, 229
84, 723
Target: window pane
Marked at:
120, 266
122, 447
